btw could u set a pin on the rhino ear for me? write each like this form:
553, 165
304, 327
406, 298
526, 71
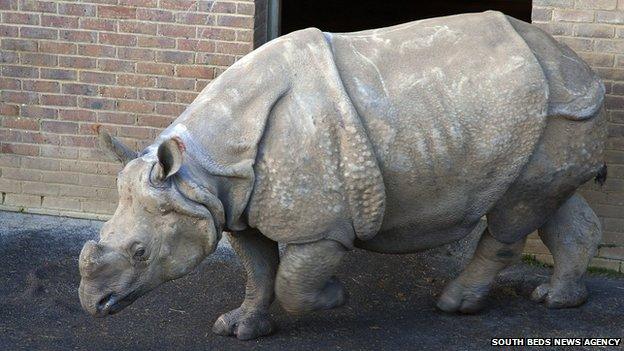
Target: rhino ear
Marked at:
170, 157
115, 147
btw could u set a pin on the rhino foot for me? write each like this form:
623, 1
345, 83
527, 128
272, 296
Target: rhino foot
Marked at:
562, 296
245, 325
458, 297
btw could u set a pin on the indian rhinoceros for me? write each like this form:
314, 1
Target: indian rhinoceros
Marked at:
392, 140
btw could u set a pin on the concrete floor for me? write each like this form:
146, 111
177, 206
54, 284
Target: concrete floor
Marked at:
391, 303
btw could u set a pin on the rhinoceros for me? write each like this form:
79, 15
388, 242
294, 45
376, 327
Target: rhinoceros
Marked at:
392, 140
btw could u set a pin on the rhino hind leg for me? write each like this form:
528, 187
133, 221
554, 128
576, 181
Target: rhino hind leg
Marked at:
305, 280
572, 235
467, 293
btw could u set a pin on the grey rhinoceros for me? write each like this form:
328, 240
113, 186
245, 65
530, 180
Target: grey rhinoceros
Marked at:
392, 140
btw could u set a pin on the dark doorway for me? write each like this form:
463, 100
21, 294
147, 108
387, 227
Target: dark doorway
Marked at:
353, 15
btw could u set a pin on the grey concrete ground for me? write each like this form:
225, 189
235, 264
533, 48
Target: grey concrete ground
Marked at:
391, 303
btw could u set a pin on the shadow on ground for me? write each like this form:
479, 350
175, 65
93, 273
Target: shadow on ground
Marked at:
391, 303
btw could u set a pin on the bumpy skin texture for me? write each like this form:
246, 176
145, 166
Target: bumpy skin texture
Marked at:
392, 140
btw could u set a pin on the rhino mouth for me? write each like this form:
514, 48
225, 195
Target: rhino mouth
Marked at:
112, 303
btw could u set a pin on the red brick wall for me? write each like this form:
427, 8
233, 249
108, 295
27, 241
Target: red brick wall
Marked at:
131, 66
595, 30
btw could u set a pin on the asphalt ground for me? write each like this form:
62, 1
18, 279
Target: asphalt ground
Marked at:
391, 304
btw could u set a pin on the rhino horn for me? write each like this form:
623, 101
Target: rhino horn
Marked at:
115, 147
90, 256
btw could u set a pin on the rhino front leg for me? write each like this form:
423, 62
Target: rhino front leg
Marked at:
305, 280
572, 236
467, 292
260, 258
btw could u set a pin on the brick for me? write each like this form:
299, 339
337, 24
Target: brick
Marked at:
232, 48
221, 7
196, 45
215, 59
136, 54
9, 110
58, 152
186, 5
20, 123
77, 62
98, 24
72, 190
8, 5
10, 83
59, 21
19, 97
155, 68
79, 89
96, 103
38, 33
200, 84
37, 6
81, 10
35, 111
596, 4
155, 121
118, 92
248, 9
594, 30
24, 200
96, 50
117, 39
175, 83
97, 78
175, 30
9, 31
224, 34
9, 57
116, 118
154, 15
22, 174
119, 12
52, 47
203, 19
42, 86
79, 141
58, 100
157, 95
41, 189
64, 203
79, 36
19, 44
20, 71
19, 149
157, 42
95, 206
77, 115
135, 106
195, 71
136, 80
139, 27
567, 15
20, 18
605, 263
58, 74
613, 17
40, 163
578, 44
116, 65
139, 3
233, 21
185, 97
60, 127
169, 109
97, 180
33, 59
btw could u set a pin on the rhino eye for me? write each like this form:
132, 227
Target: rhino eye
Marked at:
139, 254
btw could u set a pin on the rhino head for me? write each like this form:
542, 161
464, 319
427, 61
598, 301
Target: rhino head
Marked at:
165, 224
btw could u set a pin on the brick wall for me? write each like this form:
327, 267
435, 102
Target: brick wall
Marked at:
131, 66
595, 30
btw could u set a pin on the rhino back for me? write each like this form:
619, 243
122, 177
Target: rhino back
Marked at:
454, 107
